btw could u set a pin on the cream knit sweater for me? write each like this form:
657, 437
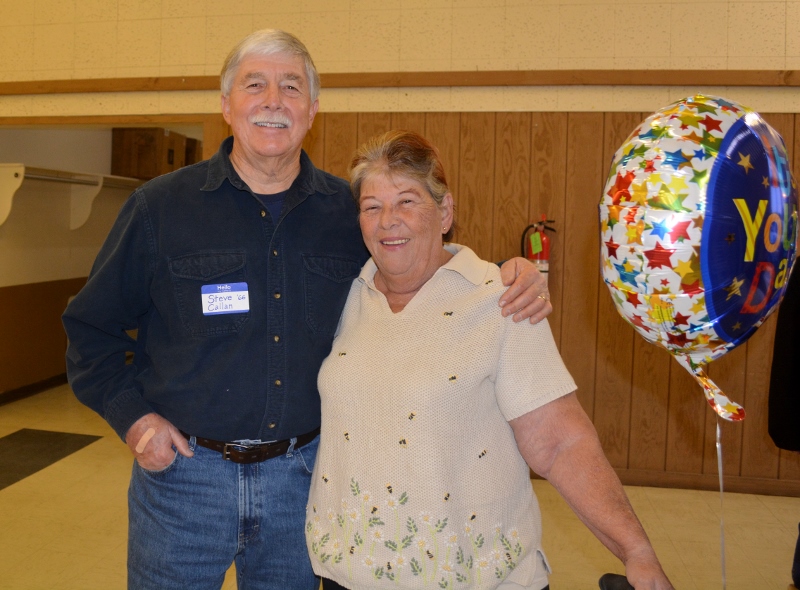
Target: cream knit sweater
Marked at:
418, 482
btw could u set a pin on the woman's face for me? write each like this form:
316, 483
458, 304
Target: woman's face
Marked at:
402, 225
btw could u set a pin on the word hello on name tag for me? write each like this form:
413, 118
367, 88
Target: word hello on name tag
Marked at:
225, 298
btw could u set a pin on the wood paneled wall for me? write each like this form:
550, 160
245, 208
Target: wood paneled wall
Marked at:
506, 169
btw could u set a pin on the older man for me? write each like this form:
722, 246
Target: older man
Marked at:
234, 271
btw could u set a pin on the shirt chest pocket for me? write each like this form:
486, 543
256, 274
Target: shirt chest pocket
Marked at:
190, 273
327, 282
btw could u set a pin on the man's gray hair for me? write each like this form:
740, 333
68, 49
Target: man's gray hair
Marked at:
268, 42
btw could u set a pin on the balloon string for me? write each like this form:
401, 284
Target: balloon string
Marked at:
721, 508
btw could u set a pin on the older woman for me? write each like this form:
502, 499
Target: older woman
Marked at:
434, 406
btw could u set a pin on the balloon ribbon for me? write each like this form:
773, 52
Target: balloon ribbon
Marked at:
723, 406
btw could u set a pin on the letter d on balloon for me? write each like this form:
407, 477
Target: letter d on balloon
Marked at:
748, 306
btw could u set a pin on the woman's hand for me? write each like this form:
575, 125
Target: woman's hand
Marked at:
644, 573
527, 297
559, 442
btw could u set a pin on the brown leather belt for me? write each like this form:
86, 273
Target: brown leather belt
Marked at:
256, 453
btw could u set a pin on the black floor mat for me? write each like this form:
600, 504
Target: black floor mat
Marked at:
26, 451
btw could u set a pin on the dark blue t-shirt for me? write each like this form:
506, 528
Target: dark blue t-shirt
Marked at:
273, 203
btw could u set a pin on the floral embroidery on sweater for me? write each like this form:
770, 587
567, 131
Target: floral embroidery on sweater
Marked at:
392, 540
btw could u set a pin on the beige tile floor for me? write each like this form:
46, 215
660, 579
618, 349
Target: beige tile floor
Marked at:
65, 526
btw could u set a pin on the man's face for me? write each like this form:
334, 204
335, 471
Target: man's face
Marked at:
269, 108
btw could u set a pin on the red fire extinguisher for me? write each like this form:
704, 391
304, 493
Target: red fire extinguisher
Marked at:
536, 245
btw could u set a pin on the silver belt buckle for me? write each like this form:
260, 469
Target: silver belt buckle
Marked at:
226, 450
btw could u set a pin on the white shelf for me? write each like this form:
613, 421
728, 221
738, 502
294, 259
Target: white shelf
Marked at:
16, 179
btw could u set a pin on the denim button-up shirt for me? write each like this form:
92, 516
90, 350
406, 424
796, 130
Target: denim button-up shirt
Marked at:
233, 376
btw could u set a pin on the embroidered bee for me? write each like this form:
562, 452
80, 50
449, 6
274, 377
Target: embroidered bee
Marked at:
325, 478
473, 516
389, 565
482, 455
403, 442
374, 510
389, 487
429, 554
352, 549
346, 436
453, 377
508, 557
448, 313
411, 416
342, 354
490, 281
447, 496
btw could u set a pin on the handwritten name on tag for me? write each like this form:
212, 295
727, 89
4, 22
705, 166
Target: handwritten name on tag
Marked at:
225, 298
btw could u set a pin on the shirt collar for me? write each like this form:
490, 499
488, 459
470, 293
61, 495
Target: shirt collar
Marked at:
464, 262
309, 181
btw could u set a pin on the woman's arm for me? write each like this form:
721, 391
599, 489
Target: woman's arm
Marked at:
560, 443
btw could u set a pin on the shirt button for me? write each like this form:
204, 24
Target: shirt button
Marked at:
277, 295
263, 213
274, 252
271, 425
278, 382
276, 338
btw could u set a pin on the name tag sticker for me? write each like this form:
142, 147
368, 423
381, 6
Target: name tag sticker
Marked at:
225, 298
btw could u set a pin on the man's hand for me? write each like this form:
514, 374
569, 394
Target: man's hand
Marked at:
527, 297
154, 450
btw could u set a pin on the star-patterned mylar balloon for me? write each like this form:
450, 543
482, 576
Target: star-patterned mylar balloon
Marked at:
699, 223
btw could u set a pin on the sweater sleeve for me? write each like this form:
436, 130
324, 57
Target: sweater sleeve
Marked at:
114, 301
530, 371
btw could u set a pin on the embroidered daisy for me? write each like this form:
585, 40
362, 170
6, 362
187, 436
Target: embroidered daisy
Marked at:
426, 517
498, 529
483, 563
336, 545
422, 544
317, 534
368, 562
513, 534
366, 497
447, 567
392, 503
377, 535
398, 561
496, 556
331, 515
452, 540
468, 528
354, 514
344, 504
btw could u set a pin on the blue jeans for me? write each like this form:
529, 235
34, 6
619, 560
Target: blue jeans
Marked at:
191, 520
